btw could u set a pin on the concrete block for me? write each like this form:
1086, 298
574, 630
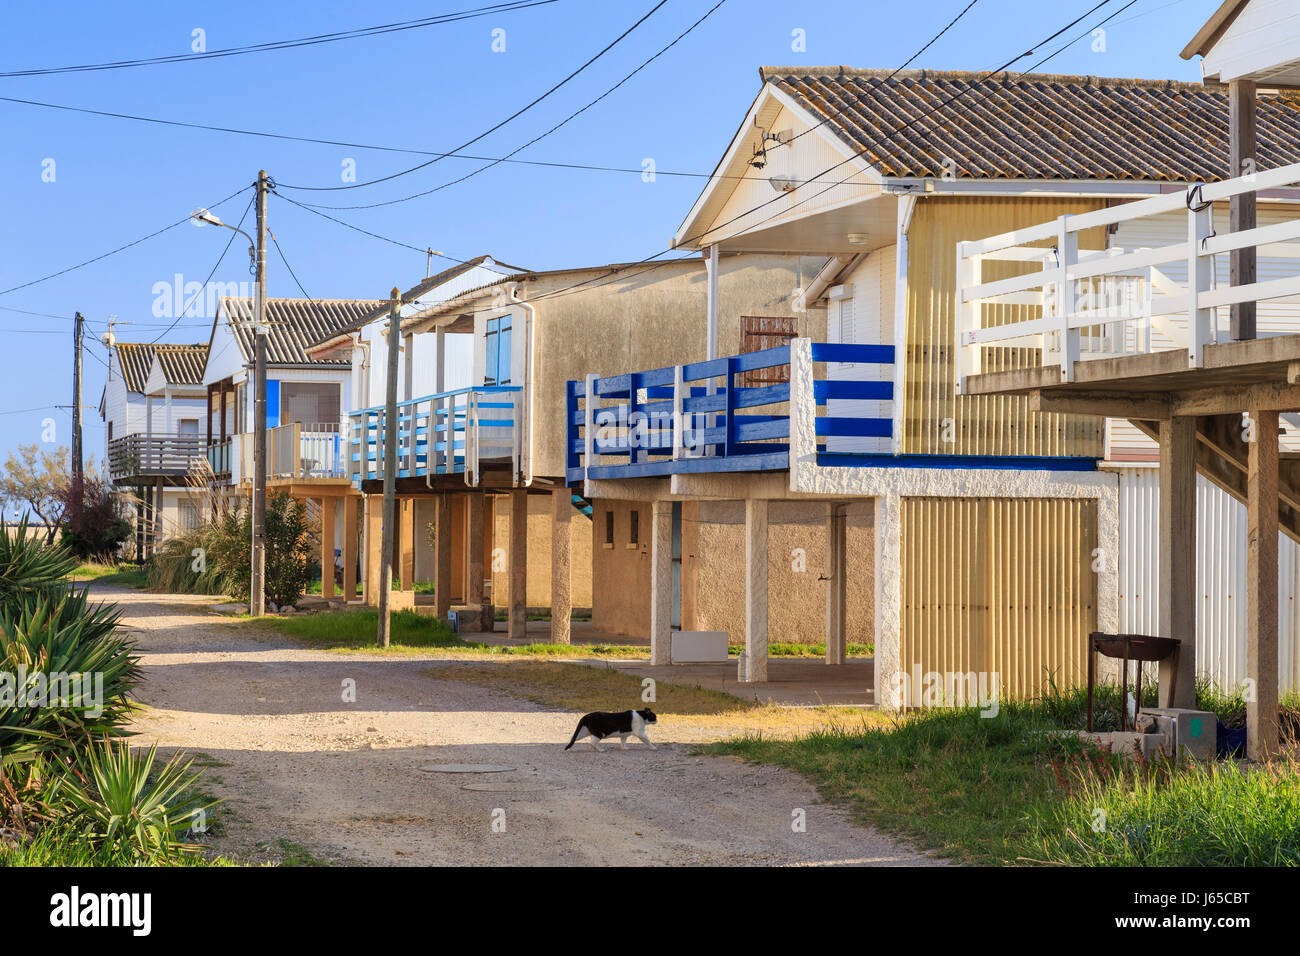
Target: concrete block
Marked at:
699, 647
1194, 732
1131, 743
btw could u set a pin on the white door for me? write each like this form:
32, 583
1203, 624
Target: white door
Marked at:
861, 313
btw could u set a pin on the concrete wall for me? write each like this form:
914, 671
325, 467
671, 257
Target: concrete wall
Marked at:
713, 572
539, 554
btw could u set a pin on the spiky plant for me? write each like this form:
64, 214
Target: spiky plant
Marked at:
123, 807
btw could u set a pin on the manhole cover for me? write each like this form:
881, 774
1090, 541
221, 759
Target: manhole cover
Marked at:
506, 786
466, 768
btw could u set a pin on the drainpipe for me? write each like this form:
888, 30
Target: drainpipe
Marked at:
513, 291
365, 371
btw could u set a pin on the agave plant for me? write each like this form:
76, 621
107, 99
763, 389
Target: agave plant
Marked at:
61, 633
28, 566
122, 806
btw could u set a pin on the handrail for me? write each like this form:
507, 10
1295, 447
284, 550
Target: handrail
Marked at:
1138, 296
694, 416
437, 395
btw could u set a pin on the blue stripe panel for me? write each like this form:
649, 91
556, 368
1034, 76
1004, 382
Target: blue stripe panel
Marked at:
867, 354
955, 462
870, 391
856, 427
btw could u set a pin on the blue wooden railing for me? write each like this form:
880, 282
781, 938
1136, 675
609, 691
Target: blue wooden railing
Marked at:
699, 418
446, 433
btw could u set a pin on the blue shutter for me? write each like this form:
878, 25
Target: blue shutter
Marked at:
272, 402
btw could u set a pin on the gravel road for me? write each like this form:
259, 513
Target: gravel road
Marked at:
295, 762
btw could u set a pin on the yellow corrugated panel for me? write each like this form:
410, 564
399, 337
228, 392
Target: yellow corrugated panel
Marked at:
999, 585
980, 425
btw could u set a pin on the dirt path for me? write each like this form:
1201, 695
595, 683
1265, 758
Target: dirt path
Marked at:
296, 763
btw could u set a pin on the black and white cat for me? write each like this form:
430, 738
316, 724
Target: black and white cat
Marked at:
629, 723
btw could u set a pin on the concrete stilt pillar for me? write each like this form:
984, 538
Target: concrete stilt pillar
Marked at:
474, 569
442, 557
755, 659
518, 613
661, 582
887, 630
406, 544
837, 585
350, 547
1178, 558
374, 547
1261, 588
561, 566
327, 547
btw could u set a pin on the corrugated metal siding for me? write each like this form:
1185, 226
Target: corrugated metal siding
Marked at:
988, 424
1000, 585
1220, 578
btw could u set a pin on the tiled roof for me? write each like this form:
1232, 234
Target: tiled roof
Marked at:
293, 324
413, 294
181, 364
1036, 126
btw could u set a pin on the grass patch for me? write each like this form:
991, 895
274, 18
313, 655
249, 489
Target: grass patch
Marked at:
125, 575
703, 712
293, 853
355, 629
949, 780
786, 649
61, 846
1159, 814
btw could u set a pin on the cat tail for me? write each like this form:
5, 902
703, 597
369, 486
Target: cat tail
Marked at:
576, 731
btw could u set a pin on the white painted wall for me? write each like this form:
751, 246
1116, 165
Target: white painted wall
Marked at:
861, 312
1263, 41
1220, 578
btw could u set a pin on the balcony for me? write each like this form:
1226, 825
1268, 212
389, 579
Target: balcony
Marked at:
1068, 308
456, 432
139, 456
700, 418
296, 452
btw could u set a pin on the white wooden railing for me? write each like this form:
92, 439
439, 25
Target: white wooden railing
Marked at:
1100, 304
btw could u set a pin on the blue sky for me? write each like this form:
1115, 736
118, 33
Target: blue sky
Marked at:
115, 181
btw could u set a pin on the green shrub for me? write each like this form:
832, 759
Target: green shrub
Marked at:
93, 526
289, 549
173, 567
28, 565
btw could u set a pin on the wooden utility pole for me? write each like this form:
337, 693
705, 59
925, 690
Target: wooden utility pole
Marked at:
389, 517
1241, 207
257, 593
78, 462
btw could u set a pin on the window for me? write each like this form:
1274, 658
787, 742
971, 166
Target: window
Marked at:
758, 332
634, 533
188, 428
496, 368
189, 515
609, 529
311, 403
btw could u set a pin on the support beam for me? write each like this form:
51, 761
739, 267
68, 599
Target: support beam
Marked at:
517, 615
837, 580
375, 558
474, 552
661, 582
1241, 207
442, 557
1147, 406
327, 506
1261, 589
1178, 558
755, 660
350, 555
561, 566
406, 544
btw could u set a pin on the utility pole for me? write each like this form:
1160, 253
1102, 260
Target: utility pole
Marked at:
257, 594
78, 464
389, 519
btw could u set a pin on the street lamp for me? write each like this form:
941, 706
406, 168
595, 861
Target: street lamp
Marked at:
257, 251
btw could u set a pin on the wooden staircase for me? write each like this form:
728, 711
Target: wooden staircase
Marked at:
1221, 456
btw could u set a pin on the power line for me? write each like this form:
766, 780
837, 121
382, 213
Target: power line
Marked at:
708, 13
519, 112
276, 242
112, 252
615, 273
288, 44
215, 267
